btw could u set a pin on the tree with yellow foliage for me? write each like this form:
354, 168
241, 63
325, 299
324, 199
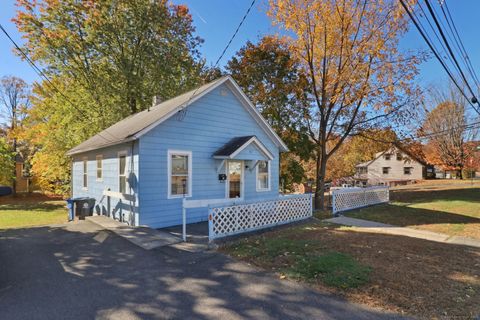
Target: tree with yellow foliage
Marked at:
358, 77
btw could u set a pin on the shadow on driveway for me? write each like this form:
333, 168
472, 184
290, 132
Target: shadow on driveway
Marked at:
79, 271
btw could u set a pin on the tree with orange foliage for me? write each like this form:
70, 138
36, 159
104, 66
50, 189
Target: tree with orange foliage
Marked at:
357, 76
448, 143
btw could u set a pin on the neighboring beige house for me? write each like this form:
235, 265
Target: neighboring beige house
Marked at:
391, 167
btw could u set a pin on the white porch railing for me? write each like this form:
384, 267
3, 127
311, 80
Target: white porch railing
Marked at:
353, 198
238, 218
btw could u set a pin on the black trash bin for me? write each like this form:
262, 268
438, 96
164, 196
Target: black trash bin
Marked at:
84, 207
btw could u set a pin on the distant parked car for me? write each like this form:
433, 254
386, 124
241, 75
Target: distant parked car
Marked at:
5, 190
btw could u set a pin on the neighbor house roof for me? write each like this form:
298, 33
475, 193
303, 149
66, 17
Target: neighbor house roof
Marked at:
134, 126
237, 144
392, 149
364, 164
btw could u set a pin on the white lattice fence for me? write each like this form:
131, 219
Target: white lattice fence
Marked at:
352, 198
234, 219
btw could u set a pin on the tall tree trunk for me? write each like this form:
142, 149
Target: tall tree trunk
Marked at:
320, 178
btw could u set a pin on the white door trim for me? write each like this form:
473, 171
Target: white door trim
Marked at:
242, 179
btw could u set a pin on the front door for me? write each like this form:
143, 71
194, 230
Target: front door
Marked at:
234, 179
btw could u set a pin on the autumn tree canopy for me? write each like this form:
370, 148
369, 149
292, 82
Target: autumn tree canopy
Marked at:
106, 60
449, 137
357, 74
270, 76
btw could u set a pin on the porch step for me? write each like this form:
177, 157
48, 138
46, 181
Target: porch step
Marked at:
144, 237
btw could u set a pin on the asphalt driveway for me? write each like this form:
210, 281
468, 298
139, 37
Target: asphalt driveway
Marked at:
79, 271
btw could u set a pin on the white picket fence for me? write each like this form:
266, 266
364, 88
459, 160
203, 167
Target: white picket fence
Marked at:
352, 198
234, 219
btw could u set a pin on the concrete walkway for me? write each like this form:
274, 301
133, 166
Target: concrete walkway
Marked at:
144, 237
371, 226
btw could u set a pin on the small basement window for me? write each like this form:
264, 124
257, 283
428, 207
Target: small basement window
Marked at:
122, 177
179, 174
385, 170
85, 173
99, 167
407, 170
263, 176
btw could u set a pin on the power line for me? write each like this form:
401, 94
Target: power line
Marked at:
42, 75
453, 29
182, 112
429, 7
402, 2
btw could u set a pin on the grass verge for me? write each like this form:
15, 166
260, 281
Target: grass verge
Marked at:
405, 275
303, 260
31, 210
453, 209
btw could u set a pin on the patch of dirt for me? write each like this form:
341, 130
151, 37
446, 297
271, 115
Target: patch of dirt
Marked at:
410, 276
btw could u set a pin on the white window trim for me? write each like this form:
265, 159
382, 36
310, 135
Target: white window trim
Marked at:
84, 173
119, 154
242, 180
169, 173
258, 189
97, 157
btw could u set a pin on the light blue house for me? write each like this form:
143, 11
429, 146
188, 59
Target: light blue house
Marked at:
209, 143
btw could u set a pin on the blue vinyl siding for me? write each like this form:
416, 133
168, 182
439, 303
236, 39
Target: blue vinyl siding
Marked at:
109, 179
209, 123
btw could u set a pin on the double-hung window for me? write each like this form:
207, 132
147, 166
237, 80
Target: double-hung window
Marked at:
122, 173
179, 174
263, 176
85, 173
99, 167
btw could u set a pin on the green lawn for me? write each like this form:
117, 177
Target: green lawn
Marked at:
453, 208
406, 275
302, 259
31, 210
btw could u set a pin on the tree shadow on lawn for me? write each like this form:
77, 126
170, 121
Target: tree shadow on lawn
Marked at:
31, 201
428, 195
421, 277
403, 216
80, 271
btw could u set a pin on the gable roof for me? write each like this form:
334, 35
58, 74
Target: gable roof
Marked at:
135, 126
392, 149
237, 144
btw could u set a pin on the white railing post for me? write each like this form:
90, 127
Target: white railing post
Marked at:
334, 202
184, 220
311, 203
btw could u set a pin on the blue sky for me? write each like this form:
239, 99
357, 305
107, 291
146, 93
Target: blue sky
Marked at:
216, 21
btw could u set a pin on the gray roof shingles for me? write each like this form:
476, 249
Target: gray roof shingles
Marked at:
126, 129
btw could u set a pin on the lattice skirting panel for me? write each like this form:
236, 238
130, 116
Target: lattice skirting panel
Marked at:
349, 198
229, 220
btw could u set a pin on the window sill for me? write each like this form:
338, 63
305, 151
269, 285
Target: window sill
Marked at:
263, 190
179, 196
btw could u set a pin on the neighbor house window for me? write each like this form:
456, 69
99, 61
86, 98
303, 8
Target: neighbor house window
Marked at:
387, 156
85, 173
407, 170
122, 170
179, 174
399, 156
385, 170
263, 176
99, 167
362, 170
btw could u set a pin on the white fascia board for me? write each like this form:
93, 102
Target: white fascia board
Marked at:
256, 115
259, 145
